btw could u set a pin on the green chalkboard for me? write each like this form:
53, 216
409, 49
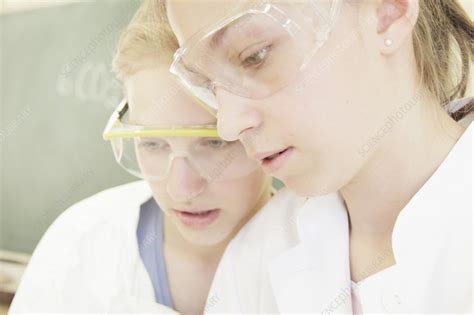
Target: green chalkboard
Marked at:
57, 93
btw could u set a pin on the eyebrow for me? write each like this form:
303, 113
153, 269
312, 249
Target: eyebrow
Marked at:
218, 38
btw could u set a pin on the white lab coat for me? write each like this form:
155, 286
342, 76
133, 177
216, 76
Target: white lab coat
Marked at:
294, 254
88, 260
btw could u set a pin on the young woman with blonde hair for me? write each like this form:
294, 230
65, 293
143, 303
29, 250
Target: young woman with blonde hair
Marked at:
151, 245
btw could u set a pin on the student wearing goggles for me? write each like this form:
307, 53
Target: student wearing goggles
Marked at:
150, 246
206, 187
348, 103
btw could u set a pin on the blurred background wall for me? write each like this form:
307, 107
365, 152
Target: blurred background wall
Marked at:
56, 94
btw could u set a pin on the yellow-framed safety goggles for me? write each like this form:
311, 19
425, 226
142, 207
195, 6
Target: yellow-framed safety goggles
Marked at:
148, 152
118, 128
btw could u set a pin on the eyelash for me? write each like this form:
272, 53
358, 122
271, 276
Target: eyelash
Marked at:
263, 64
207, 142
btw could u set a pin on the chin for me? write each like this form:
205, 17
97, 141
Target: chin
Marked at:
308, 186
204, 237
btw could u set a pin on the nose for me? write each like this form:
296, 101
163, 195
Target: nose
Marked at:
236, 117
183, 181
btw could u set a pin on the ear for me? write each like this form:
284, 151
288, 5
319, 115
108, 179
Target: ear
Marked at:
395, 22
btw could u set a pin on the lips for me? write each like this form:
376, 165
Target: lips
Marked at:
269, 154
197, 218
271, 161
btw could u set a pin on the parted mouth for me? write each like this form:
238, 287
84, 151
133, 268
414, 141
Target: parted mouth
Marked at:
197, 218
195, 211
269, 155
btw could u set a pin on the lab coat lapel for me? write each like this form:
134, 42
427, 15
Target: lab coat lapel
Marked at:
135, 305
134, 292
314, 275
432, 238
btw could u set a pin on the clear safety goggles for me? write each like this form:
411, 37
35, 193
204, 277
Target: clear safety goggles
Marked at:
148, 152
257, 51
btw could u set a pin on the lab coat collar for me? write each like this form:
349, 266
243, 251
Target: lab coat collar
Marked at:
310, 263
320, 264
432, 237
437, 204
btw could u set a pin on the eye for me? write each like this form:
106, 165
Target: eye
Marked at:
214, 143
153, 144
257, 58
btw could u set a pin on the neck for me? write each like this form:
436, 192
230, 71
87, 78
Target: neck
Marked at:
397, 168
175, 243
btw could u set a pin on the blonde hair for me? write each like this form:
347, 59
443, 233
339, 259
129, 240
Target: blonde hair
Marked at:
443, 43
147, 41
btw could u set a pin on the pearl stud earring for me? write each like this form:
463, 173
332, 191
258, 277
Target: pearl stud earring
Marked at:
388, 42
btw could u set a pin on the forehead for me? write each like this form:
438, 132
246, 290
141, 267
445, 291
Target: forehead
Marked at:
156, 98
189, 16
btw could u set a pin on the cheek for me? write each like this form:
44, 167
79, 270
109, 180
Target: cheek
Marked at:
325, 117
330, 98
161, 195
239, 196
330, 129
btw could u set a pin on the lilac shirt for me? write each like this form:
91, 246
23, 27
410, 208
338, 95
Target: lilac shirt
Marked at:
150, 245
